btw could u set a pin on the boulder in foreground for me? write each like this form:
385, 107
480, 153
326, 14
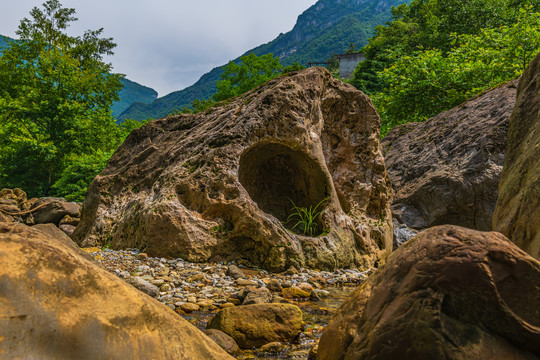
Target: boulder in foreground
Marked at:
56, 304
448, 293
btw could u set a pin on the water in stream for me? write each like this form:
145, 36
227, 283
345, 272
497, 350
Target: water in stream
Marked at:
316, 315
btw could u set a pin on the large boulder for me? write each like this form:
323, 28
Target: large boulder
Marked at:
448, 293
222, 185
517, 214
446, 170
252, 326
56, 304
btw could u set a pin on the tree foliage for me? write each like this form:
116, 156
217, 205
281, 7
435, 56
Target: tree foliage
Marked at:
237, 79
428, 82
428, 24
55, 97
251, 72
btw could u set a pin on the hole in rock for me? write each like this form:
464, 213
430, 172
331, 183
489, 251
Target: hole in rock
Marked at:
274, 174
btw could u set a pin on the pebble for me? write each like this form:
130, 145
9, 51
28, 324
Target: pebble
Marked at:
189, 286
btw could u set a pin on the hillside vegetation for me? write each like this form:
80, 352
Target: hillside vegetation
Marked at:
326, 28
131, 93
435, 55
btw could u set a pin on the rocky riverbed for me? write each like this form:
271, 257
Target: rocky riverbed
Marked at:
197, 291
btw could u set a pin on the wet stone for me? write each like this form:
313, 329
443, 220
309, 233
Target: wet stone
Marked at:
198, 291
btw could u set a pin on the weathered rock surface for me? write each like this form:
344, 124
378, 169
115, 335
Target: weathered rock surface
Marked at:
50, 230
226, 342
448, 293
53, 210
15, 207
255, 325
446, 170
217, 185
55, 304
517, 213
402, 233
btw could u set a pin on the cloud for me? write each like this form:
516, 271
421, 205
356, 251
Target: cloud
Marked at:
169, 44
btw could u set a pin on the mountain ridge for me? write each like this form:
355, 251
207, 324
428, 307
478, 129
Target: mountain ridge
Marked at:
325, 28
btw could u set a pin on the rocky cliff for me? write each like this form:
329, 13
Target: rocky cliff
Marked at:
446, 170
517, 214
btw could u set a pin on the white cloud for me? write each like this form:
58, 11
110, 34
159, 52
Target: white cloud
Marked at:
169, 44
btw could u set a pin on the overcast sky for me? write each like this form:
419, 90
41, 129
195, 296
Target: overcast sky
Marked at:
168, 44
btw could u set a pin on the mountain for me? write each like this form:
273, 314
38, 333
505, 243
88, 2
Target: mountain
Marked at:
325, 28
132, 92
3, 41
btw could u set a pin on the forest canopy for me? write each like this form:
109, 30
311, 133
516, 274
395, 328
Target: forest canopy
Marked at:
56, 92
436, 54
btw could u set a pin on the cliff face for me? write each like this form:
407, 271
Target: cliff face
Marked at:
224, 184
446, 170
517, 213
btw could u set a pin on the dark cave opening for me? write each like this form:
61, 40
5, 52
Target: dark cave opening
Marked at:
276, 176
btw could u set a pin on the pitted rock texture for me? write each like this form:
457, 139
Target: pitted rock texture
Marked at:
517, 214
56, 304
446, 170
220, 185
448, 293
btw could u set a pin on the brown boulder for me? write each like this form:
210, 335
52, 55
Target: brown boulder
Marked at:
220, 185
53, 210
446, 170
255, 325
448, 293
67, 229
224, 341
52, 231
517, 214
55, 304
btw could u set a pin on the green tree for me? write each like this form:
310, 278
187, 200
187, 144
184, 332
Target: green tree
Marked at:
251, 72
293, 67
82, 168
55, 97
427, 24
428, 82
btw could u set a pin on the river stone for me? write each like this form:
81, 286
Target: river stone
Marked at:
402, 233
235, 272
144, 286
56, 304
226, 342
256, 325
448, 293
257, 297
446, 170
517, 214
218, 185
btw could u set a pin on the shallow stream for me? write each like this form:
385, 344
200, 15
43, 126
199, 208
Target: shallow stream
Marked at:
316, 315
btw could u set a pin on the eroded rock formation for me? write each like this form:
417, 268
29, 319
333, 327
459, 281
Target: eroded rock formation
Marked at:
446, 170
220, 185
517, 214
56, 304
448, 293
